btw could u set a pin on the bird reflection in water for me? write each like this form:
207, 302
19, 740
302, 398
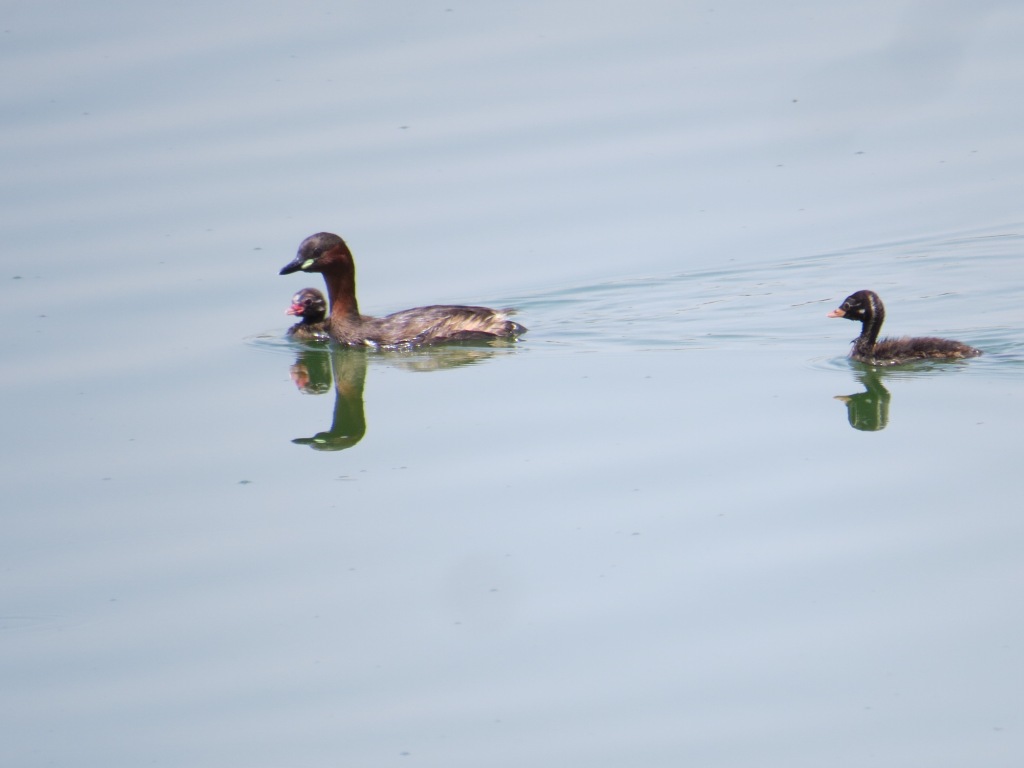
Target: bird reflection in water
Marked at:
312, 373
868, 411
317, 367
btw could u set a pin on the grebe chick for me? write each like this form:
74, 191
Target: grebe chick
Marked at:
328, 254
310, 307
867, 307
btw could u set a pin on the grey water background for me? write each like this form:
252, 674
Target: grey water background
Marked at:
649, 532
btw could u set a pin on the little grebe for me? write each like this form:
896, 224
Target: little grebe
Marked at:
310, 307
867, 307
327, 253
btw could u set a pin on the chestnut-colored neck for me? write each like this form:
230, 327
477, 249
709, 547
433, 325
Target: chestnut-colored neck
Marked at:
341, 292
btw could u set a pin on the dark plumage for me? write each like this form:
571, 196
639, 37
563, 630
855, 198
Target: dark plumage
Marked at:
867, 308
310, 307
328, 254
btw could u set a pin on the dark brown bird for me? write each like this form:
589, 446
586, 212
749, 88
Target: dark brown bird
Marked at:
328, 254
310, 306
867, 307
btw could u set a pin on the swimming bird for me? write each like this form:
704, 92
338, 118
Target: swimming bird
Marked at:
328, 254
867, 308
310, 306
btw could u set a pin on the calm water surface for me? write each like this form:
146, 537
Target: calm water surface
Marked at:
673, 525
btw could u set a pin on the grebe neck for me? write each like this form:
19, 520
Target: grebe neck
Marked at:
341, 295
